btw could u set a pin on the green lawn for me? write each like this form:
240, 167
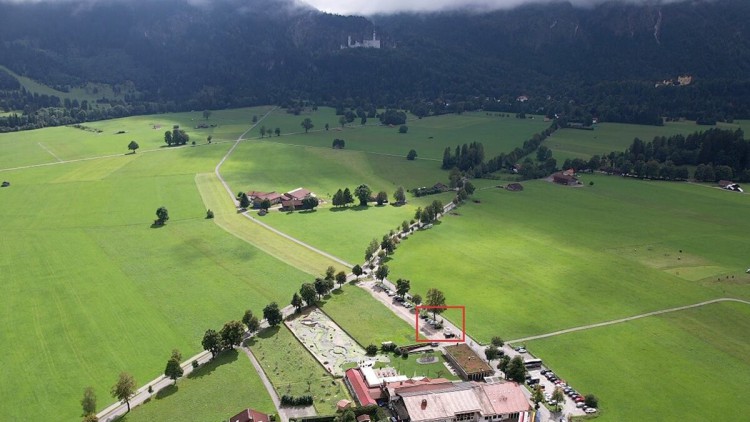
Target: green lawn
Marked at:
690, 365
411, 368
344, 233
551, 257
293, 370
365, 319
215, 391
428, 136
608, 137
92, 289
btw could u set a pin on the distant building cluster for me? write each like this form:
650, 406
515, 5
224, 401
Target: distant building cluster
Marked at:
373, 43
680, 81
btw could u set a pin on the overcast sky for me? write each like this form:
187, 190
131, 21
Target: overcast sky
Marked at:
369, 7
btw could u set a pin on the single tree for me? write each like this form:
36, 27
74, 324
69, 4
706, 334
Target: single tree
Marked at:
357, 271
382, 272
371, 249
209, 138
348, 198
412, 155
307, 124
262, 131
537, 396
162, 215
310, 203
492, 352
206, 114
341, 278
321, 287
209, 214
381, 198
265, 204
277, 131
255, 119
327, 126
437, 207
176, 355
363, 120
403, 129
244, 201
124, 389
399, 195
308, 293
342, 121
388, 245
435, 298
297, 302
90, 418
417, 299
231, 334
402, 286
88, 403
404, 226
497, 341
371, 350
250, 321
363, 192
516, 370
168, 138
133, 145
272, 314
211, 342
504, 362
173, 370
591, 400
559, 397
330, 273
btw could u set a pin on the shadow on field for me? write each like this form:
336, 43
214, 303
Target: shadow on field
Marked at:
157, 225
206, 369
357, 208
166, 391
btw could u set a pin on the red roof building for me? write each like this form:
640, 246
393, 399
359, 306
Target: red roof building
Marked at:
249, 415
355, 381
299, 193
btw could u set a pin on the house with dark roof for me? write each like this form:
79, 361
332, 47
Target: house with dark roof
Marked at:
258, 197
564, 179
249, 415
298, 194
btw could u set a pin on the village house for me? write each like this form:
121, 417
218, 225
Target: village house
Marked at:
564, 179
257, 197
249, 415
462, 401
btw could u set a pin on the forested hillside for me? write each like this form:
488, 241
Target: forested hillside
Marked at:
169, 55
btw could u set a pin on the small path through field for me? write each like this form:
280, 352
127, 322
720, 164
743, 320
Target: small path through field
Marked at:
49, 151
617, 321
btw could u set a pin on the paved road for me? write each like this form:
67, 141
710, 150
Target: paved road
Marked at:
618, 321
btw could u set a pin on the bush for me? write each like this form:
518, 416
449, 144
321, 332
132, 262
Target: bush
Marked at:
371, 350
403, 129
195, 364
497, 341
397, 352
296, 401
209, 214
390, 347
591, 400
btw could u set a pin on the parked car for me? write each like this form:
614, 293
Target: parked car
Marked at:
398, 299
580, 404
579, 399
589, 410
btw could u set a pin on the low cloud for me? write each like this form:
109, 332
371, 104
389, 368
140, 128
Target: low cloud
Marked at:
371, 7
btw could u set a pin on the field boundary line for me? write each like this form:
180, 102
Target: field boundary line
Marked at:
351, 150
59, 160
631, 318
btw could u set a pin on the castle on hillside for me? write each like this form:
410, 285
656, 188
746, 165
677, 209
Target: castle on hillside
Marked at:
373, 43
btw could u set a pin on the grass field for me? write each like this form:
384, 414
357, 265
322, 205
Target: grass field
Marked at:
428, 136
365, 319
691, 365
93, 290
608, 137
224, 386
293, 370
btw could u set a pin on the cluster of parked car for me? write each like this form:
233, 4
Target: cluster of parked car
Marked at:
568, 390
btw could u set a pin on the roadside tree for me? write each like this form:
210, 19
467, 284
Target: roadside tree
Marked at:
559, 397
308, 293
88, 403
124, 389
382, 272
435, 298
133, 145
244, 201
211, 342
272, 314
173, 370
250, 321
381, 198
357, 271
591, 400
497, 341
297, 302
516, 370
417, 299
231, 334
341, 278
402, 286
307, 124
537, 397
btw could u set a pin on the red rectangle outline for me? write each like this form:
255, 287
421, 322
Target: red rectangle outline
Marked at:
446, 340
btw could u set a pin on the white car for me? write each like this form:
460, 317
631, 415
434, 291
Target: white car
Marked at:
580, 404
590, 410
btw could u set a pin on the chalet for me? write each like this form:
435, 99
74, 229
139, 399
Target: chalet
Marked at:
564, 179
468, 364
258, 197
441, 186
249, 415
569, 172
291, 204
464, 401
514, 187
299, 194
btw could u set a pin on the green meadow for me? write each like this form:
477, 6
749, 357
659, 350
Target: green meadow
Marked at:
691, 365
92, 289
217, 390
608, 137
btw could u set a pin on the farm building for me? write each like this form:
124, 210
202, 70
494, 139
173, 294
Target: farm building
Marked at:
291, 204
468, 364
463, 401
298, 194
258, 197
249, 415
564, 179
